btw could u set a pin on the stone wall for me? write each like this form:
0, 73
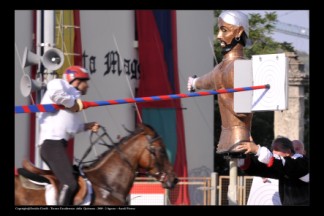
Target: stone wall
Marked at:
290, 122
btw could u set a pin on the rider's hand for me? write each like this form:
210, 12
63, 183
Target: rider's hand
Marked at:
93, 126
77, 107
191, 84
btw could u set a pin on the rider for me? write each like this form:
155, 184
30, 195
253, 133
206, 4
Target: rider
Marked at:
233, 36
56, 128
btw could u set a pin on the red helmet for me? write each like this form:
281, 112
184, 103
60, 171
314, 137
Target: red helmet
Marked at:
75, 72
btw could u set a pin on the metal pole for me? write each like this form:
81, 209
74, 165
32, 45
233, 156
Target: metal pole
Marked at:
45, 39
39, 77
232, 187
49, 31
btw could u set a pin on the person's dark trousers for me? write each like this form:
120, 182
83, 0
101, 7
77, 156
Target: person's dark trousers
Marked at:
53, 153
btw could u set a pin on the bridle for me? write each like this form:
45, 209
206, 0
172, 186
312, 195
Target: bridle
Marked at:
159, 175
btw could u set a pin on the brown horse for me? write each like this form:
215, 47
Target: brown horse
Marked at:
113, 174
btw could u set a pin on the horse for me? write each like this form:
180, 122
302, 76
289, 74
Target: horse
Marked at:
113, 174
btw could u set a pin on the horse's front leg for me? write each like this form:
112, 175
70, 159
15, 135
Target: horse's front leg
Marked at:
103, 197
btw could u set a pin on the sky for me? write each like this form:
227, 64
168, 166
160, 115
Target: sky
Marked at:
293, 17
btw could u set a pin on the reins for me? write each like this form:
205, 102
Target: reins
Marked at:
92, 143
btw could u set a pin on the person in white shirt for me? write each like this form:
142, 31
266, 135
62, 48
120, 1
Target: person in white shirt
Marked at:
282, 163
56, 128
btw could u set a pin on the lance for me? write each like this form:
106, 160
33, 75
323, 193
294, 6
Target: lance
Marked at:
87, 104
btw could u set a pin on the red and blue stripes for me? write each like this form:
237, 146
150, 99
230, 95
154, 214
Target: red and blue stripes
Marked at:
38, 108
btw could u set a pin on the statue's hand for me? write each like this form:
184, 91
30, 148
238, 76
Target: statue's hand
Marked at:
191, 83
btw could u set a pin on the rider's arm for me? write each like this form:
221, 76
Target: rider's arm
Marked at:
60, 92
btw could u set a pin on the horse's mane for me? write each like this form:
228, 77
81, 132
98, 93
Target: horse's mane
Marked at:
124, 139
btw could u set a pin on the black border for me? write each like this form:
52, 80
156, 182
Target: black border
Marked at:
7, 195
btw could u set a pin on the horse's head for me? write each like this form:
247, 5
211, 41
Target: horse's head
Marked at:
155, 159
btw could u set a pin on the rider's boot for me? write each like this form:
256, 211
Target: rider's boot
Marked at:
65, 196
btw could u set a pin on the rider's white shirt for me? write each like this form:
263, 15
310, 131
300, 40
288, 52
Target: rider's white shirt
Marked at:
61, 124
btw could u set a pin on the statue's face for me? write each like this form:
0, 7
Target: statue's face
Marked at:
227, 32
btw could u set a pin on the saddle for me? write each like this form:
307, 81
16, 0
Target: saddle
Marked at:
47, 176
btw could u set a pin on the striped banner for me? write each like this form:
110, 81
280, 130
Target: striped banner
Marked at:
87, 104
